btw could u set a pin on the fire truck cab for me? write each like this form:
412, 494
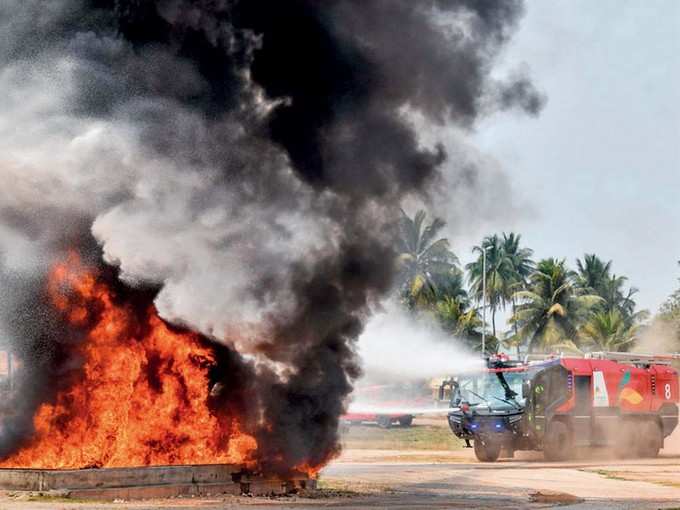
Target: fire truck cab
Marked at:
625, 401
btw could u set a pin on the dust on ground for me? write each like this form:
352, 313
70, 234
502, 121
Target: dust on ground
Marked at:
427, 467
594, 479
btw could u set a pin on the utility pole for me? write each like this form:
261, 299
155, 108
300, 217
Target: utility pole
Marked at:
484, 300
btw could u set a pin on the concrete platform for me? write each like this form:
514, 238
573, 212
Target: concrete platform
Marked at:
149, 482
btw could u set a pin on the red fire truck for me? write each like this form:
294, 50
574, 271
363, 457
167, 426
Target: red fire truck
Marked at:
626, 401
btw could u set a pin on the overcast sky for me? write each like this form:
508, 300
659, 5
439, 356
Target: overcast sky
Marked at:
599, 170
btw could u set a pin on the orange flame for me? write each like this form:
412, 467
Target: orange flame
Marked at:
305, 468
120, 412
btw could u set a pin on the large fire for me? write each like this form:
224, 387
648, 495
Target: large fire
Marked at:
140, 396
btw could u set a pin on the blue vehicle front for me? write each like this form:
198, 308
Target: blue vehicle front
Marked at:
488, 408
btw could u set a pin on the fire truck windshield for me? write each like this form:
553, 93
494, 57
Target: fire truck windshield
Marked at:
491, 389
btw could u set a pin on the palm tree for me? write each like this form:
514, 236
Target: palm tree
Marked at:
594, 277
553, 306
461, 321
519, 257
450, 284
522, 267
669, 312
437, 288
422, 258
608, 331
512, 339
593, 272
670, 309
617, 298
500, 276
445, 298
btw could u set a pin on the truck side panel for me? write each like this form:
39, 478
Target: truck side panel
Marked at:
619, 390
666, 396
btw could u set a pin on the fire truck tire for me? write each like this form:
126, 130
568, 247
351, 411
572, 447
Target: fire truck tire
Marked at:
625, 442
650, 440
558, 442
384, 422
405, 421
507, 453
487, 450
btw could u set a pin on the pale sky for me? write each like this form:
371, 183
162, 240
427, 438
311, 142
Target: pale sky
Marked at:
600, 167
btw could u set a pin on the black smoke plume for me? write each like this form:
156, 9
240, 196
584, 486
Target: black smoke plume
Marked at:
247, 158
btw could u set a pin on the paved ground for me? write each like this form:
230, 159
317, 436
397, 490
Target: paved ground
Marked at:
462, 482
454, 482
406, 479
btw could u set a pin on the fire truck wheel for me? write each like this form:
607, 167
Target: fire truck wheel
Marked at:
650, 440
625, 442
487, 450
558, 443
384, 422
406, 421
507, 453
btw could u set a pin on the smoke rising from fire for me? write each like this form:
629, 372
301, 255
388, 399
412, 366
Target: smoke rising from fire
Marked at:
242, 160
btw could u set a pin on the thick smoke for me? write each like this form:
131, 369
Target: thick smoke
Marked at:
246, 158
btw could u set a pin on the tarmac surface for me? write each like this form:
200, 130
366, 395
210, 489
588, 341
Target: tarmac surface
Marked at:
643, 483
418, 479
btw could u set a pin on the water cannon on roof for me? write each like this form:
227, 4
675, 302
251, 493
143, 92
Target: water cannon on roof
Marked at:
501, 360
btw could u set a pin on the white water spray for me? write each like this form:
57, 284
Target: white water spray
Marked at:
402, 357
397, 345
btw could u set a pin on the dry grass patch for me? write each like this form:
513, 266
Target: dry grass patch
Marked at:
416, 437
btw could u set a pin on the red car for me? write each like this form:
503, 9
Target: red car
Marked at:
383, 420
387, 405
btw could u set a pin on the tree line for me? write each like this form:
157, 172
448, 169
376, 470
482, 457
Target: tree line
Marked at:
552, 306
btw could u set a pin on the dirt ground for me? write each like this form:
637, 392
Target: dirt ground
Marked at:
400, 468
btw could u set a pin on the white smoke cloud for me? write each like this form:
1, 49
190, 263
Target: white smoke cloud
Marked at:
399, 346
162, 220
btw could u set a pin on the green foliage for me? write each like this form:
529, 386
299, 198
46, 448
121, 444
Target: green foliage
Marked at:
463, 322
520, 258
424, 261
607, 330
551, 309
507, 269
431, 281
595, 277
670, 309
498, 275
614, 322
670, 312
523, 266
592, 273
